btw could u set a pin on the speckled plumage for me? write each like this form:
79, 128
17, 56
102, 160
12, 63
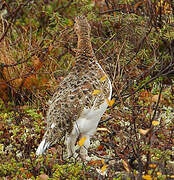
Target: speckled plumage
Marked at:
75, 109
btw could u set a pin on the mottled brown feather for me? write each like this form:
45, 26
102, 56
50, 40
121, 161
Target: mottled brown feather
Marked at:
75, 92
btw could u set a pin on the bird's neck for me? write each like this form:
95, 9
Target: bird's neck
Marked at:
84, 53
84, 46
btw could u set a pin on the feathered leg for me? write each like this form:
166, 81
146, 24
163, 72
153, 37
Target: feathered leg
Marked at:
44, 145
70, 142
84, 148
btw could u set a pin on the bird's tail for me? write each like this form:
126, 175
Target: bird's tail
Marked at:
44, 145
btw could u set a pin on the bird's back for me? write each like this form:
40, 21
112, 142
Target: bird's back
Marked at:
87, 90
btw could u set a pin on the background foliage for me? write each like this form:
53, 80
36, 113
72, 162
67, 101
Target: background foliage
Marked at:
133, 41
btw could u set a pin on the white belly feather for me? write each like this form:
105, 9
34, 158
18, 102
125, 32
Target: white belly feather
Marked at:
90, 118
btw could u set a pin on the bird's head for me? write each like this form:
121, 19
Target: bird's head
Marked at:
81, 26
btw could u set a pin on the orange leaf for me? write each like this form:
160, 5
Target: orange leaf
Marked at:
125, 165
156, 97
17, 82
37, 63
96, 91
103, 78
147, 177
100, 147
159, 173
95, 162
103, 169
110, 102
144, 131
152, 165
155, 123
82, 141
103, 161
30, 81
138, 4
22, 170
144, 95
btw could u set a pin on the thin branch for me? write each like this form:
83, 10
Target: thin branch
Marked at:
140, 43
161, 73
105, 120
13, 18
113, 10
23, 76
15, 64
157, 104
151, 131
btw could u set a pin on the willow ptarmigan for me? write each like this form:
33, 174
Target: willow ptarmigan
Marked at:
80, 100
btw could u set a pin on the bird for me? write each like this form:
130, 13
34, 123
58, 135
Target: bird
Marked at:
80, 100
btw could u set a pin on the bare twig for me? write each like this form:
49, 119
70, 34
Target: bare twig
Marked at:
151, 131
113, 10
15, 64
157, 104
23, 76
13, 18
161, 73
